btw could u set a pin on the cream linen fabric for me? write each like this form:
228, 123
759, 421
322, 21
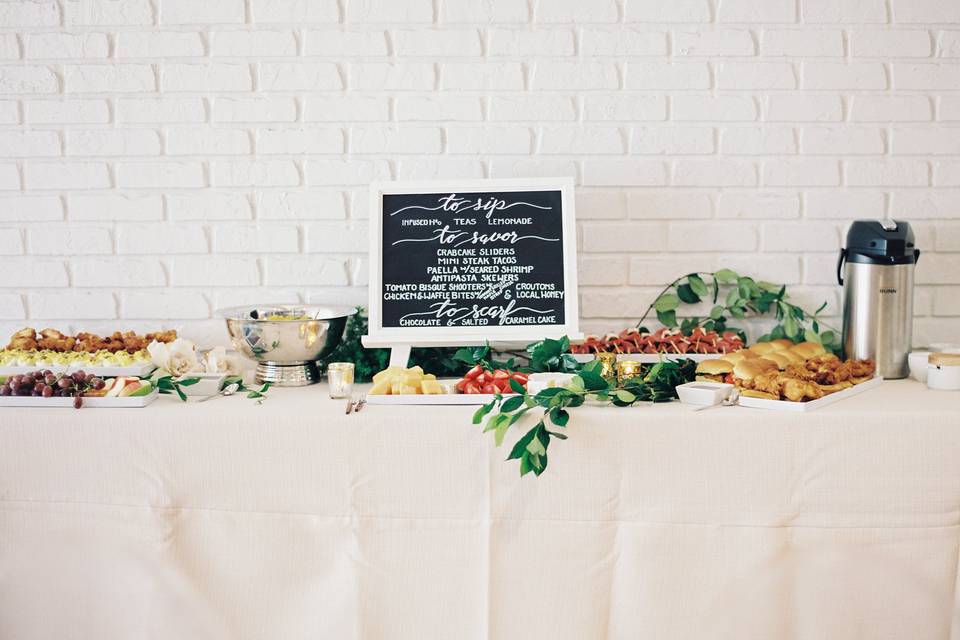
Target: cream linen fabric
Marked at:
290, 520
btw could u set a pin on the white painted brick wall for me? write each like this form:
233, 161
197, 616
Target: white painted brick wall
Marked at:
161, 158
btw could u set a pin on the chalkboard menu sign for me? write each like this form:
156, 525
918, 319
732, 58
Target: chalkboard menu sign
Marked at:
473, 261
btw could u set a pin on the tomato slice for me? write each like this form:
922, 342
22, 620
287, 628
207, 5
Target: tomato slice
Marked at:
520, 377
471, 388
461, 384
474, 372
490, 388
500, 374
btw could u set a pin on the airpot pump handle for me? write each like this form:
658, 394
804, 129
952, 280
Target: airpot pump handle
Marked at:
916, 256
843, 255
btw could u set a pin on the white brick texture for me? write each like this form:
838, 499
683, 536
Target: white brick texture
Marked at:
161, 158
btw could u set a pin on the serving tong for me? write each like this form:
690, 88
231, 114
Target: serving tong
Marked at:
354, 405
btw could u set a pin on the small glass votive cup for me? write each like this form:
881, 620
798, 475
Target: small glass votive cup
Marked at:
340, 379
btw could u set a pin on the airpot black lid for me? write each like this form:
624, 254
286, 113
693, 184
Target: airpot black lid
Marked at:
886, 242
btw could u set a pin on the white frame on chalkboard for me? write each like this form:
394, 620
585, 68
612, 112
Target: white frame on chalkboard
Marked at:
378, 336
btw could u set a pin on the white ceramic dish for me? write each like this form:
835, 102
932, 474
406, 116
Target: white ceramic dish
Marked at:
917, 360
704, 393
136, 370
944, 373
91, 403
786, 405
209, 384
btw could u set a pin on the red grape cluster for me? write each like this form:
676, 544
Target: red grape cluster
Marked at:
47, 384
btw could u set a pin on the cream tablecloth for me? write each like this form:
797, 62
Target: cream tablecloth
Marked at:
290, 520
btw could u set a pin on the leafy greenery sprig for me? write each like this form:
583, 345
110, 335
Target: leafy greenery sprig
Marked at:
656, 383
259, 394
483, 356
170, 385
744, 297
545, 355
367, 362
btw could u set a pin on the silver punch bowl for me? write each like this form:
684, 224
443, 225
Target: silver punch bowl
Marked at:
286, 340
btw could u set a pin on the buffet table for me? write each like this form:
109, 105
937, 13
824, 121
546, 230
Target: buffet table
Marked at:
290, 520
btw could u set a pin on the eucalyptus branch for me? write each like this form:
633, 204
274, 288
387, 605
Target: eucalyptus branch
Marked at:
746, 297
665, 290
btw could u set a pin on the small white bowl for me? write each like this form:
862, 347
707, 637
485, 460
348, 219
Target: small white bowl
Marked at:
943, 372
704, 393
918, 365
208, 385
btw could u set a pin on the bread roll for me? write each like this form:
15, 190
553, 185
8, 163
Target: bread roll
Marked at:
762, 348
782, 344
808, 349
780, 358
714, 367
736, 356
749, 369
792, 356
714, 370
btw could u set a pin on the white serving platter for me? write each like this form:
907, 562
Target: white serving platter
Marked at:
139, 370
649, 358
786, 405
92, 403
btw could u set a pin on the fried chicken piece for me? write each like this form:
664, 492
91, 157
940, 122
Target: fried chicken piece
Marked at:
862, 368
828, 362
801, 391
25, 339
28, 340
752, 393
833, 388
769, 382
162, 336
799, 372
55, 341
89, 343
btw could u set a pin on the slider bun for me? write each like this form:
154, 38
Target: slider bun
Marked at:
715, 367
808, 349
782, 343
735, 357
792, 356
753, 393
780, 358
749, 369
816, 346
762, 348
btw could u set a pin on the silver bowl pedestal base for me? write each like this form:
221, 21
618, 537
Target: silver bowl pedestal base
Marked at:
287, 374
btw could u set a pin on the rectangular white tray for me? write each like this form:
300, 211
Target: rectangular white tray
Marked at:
786, 405
92, 403
140, 370
649, 358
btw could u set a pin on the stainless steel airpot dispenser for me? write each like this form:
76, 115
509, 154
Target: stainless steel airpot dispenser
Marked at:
876, 271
